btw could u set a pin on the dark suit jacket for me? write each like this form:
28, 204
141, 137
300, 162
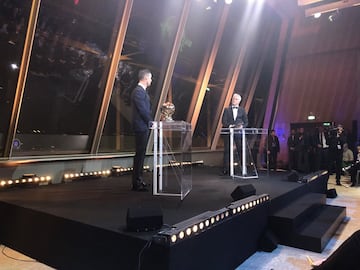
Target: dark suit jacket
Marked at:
141, 111
273, 144
228, 118
316, 139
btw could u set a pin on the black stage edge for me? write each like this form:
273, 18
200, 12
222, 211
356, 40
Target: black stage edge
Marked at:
80, 225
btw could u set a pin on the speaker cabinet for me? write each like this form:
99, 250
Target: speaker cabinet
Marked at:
144, 218
241, 192
331, 193
293, 176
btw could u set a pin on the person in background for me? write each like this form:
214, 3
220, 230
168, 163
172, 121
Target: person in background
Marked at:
348, 156
355, 167
273, 150
302, 150
336, 146
346, 256
234, 116
321, 142
291, 143
141, 116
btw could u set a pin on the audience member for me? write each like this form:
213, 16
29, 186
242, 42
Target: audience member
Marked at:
345, 257
337, 141
273, 150
291, 144
321, 144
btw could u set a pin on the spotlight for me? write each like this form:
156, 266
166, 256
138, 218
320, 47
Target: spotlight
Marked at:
317, 15
228, 2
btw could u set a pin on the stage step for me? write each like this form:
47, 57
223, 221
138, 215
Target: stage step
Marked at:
315, 234
307, 223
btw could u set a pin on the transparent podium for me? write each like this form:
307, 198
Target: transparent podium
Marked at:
242, 163
172, 173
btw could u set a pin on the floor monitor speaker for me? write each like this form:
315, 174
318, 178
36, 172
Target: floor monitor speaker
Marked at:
293, 176
144, 218
241, 192
331, 193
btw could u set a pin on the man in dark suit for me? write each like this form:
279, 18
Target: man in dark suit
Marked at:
141, 116
273, 149
234, 116
292, 143
321, 144
336, 146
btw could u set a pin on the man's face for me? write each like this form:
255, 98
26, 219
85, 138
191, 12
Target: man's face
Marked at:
148, 80
235, 101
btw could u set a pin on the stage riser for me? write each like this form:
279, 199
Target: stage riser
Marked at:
66, 244
223, 247
63, 243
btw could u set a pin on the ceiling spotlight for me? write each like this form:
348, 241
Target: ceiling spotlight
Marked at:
317, 15
14, 66
228, 2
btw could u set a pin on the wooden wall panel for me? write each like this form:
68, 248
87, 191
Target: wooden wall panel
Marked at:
321, 75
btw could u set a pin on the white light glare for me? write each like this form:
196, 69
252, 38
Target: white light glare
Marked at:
317, 15
14, 66
228, 2
311, 117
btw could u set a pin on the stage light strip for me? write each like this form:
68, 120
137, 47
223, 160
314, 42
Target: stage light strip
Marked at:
74, 176
25, 180
196, 225
119, 170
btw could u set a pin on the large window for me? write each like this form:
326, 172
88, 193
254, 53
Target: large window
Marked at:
68, 69
196, 43
14, 16
148, 44
229, 49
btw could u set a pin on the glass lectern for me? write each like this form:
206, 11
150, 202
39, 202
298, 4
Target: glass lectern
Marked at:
172, 174
242, 161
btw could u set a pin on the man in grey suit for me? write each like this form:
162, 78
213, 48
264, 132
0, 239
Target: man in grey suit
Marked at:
141, 116
234, 116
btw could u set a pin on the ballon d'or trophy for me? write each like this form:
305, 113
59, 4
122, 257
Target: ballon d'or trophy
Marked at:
167, 111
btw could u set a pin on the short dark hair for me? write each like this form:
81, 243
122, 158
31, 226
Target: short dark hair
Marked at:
143, 73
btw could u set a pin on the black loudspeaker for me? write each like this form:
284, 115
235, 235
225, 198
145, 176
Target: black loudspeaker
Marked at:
331, 193
144, 218
293, 176
241, 192
268, 241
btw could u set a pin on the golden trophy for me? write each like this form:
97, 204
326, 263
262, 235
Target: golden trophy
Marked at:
167, 111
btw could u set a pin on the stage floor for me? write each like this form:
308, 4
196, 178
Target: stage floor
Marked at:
103, 202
